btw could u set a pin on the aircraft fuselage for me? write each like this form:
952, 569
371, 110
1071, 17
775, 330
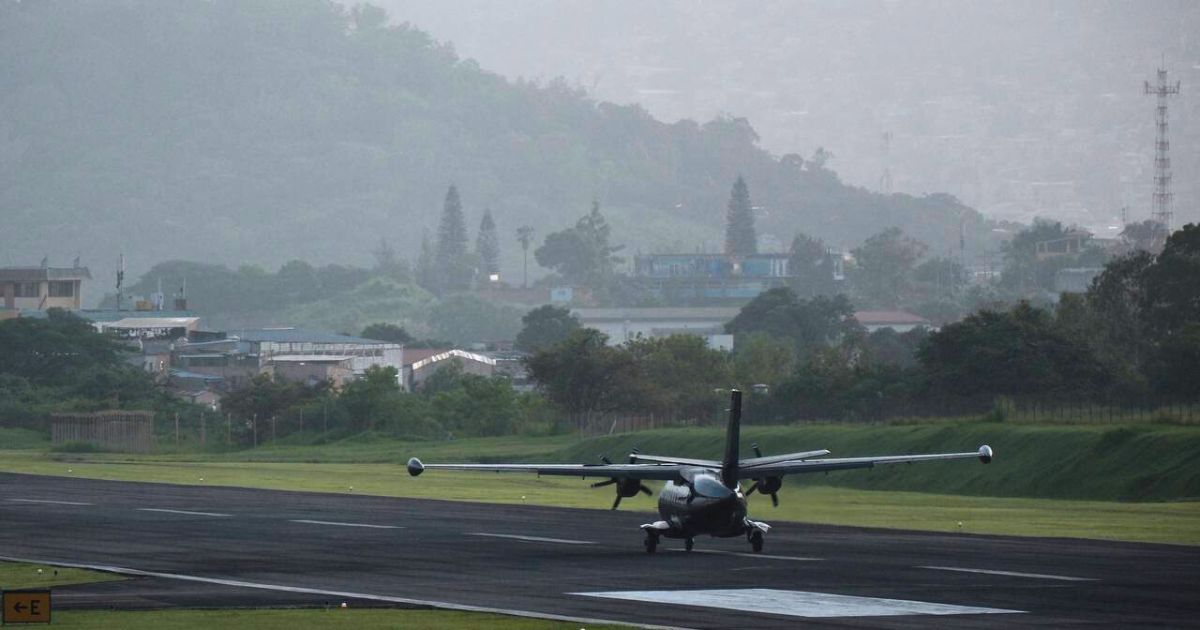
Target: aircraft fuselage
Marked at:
690, 513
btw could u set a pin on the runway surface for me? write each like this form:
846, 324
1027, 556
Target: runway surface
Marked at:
201, 546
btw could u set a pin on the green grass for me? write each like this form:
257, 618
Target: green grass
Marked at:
1129, 482
297, 619
804, 499
12, 439
18, 575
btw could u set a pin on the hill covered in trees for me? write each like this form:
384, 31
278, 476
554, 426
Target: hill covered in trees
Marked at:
262, 131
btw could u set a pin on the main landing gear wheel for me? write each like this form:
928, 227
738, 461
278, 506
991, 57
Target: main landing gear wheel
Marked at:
651, 541
756, 541
688, 543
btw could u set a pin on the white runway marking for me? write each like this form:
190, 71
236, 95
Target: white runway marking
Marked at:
342, 594
750, 555
49, 501
796, 603
187, 512
1040, 576
562, 541
302, 520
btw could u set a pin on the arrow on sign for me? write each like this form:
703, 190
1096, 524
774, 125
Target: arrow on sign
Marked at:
19, 607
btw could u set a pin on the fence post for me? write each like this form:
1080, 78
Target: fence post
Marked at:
176, 430
254, 429
325, 428
202, 436
272, 430
302, 420
228, 429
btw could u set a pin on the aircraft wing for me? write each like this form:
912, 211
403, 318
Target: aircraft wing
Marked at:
660, 459
822, 465
627, 471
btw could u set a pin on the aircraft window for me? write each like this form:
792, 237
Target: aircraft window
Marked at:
710, 487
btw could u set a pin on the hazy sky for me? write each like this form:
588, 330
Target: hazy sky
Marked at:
1020, 108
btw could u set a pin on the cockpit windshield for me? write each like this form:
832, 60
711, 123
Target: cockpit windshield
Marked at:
710, 487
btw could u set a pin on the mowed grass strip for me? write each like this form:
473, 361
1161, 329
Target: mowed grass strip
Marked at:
19, 575
801, 499
300, 619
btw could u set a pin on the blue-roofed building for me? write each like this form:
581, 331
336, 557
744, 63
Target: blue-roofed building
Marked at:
709, 278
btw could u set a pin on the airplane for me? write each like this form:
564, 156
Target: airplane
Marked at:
704, 496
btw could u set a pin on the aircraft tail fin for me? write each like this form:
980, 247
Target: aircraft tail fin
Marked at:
729, 465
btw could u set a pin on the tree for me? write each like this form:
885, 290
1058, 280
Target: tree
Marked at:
425, 265
1020, 352
453, 270
545, 326
883, 268
581, 254
583, 373
676, 375
740, 238
466, 319
387, 332
811, 266
370, 399
57, 350
808, 324
388, 263
487, 244
525, 236
1172, 284
761, 358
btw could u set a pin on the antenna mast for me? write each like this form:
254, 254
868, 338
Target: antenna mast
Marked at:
1161, 208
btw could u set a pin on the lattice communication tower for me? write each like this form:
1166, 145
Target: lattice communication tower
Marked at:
1161, 207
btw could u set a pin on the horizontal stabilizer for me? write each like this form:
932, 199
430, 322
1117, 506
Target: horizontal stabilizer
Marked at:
660, 459
773, 459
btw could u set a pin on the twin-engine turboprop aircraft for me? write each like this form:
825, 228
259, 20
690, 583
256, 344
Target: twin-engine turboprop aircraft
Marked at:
704, 496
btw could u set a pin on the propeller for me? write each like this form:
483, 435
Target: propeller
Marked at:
626, 487
767, 485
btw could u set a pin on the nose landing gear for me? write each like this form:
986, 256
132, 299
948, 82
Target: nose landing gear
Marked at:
688, 543
651, 541
756, 540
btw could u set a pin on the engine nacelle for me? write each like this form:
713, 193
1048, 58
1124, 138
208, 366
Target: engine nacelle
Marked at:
770, 485
628, 487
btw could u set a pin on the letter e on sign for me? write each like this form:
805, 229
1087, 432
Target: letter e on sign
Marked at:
26, 607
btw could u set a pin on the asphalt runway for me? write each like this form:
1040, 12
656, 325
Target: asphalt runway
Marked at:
213, 547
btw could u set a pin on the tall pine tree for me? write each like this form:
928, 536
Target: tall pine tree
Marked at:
487, 244
740, 239
452, 267
425, 275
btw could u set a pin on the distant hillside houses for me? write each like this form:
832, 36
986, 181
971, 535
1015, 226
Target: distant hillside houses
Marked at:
714, 278
625, 324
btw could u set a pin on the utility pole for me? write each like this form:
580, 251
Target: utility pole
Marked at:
228, 429
254, 429
272, 430
1161, 207
525, 235
202, 436
176, 430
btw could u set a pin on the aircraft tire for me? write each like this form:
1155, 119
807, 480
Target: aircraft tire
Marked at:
756, 541
651, 542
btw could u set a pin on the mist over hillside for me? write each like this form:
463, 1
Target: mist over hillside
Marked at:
1017, 107
258, 131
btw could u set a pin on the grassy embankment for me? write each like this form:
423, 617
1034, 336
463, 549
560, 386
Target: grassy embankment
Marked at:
1126, 482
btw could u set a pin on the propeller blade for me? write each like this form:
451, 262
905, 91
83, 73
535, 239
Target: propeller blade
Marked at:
774, 499
617, 502
644, 490
599, 484
757, 453
605, 459
753, 487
